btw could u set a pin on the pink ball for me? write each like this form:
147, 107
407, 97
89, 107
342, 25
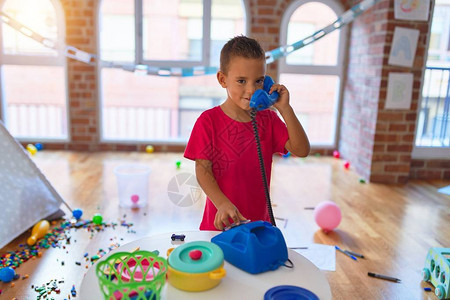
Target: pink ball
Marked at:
336, 154
327, 215
135, 199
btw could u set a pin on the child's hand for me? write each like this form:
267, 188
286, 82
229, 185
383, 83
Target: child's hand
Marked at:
283, 100
225, 212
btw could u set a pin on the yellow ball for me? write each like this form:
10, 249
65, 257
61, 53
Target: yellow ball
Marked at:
32, 149
149, 149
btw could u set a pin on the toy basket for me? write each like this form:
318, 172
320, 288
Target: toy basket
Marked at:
137, 275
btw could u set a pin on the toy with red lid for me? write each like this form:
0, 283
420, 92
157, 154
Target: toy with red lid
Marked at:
195, 266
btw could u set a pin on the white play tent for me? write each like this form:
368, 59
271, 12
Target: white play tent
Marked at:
26, 196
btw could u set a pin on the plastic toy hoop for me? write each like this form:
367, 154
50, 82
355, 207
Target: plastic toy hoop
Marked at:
128, 276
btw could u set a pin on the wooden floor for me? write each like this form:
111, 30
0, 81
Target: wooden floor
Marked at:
393, 226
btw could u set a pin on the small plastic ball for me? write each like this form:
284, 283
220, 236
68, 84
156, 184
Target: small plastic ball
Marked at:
135, 199
97, 219
32, 149
346, 165
287, 155
327, 215
178, 164
149, 149
336, 154
77, 213
7, 274
362, 180
39, 146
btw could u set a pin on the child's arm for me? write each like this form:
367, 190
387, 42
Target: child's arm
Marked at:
225, 209
298, 143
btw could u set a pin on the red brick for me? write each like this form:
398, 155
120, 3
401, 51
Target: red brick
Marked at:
384, 157
441, 164
429, 174
398, 168
397, 127
399, 148
386, 137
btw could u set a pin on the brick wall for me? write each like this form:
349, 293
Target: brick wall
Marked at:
430, 169
377, 142
362, 88
82, 89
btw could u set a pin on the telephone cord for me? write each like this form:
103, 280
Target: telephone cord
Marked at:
261, 166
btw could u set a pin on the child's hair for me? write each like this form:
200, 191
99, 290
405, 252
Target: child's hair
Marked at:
240, 46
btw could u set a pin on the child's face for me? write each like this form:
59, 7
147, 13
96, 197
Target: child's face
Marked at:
244, 77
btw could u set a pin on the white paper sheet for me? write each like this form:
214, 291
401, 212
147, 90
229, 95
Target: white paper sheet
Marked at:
404, 45
415, 10
322, 256
399, 91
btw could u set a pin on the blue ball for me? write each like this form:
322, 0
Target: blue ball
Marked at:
77, 213
7, 274
39, 146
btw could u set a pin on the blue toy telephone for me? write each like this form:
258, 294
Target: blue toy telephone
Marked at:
261, 99
254, 247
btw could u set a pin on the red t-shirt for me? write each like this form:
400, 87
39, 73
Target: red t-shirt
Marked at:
230, 146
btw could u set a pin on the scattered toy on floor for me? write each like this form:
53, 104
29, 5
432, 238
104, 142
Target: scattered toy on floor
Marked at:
336, 154
327, 215
97, 219
149, 149
77, 213
7, 274
38, 232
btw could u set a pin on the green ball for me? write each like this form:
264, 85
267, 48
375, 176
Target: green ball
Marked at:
178, 164
97, 219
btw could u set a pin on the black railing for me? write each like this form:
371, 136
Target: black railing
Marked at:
433, 128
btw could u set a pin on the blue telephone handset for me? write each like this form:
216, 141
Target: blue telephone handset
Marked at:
261, 99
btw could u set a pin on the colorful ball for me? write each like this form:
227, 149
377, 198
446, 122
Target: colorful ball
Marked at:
336, 154
39, 146
7, 274
346, 165
32, 149
327, 215
77, 213
149, 149
134, 199
178, 163
97, 219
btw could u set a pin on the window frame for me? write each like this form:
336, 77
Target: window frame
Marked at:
38, 60
427, 152
306, 69
206, 48
206, 40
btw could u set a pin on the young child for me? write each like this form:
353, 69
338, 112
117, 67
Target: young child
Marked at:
222, 142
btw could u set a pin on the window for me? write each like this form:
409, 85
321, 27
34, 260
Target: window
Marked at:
33, 81
433, 124
313, 73
182, 33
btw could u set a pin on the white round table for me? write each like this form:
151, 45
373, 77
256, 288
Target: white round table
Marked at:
237, 284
